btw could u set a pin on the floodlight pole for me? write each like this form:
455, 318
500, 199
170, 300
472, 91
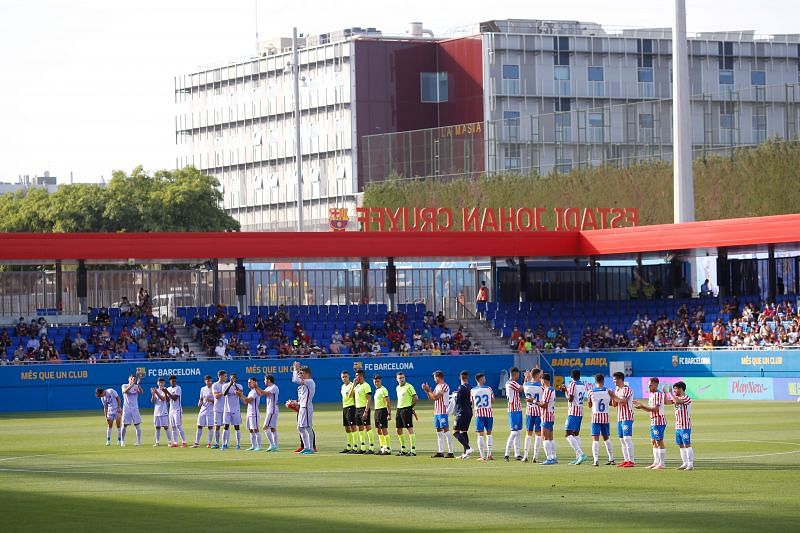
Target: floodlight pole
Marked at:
683, 181
298, 158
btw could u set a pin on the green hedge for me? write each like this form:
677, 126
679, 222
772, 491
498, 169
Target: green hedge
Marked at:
753, 182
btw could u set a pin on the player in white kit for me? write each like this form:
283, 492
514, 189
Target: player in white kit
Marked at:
219, 405
174, 393
305, 399
158, 397
111, 410
130, 409
205, 417
252, 400
231, 414
271, 397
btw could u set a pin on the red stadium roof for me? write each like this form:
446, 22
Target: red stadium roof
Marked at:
739, 235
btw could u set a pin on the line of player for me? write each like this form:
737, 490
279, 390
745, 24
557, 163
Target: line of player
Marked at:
537, 394
219, 406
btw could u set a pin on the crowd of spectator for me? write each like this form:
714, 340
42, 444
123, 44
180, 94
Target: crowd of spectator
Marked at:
224, 336
551, 339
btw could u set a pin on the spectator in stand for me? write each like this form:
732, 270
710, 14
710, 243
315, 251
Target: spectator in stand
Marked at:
705, 290
481, 300
21, 328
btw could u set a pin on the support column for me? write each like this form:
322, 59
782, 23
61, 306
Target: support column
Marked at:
215, 281
364, 280
772, 269
492, 279
523, 280
723, 273
241, 286
59, 288
683, 181
593, 278
391, 284
81, 289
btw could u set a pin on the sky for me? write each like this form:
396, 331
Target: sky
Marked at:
86, 86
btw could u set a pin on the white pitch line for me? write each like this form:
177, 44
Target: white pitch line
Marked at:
25, 457
749, 456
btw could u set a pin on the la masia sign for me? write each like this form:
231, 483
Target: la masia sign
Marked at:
485, 219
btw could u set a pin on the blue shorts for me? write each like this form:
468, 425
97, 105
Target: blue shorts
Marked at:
515, 420
533, 423
548, 426
573, 423
601, 429
657, 432
483, 423
625, 429
683, 437
440, 422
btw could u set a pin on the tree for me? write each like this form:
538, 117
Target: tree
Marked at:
167, 200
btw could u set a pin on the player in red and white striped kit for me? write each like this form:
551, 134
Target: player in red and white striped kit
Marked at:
622, 397
548, 405
440, 396
513, 392
683, 424
600, 402
482, 401
658, 423
576, 392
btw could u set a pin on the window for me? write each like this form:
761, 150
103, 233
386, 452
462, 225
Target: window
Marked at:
646, 120
511, 122
561, 72
727, 123
564, 166
759, 129
563, 120
433, 87
645, 75
513, 157
561, 76
758, 78
726, 77
596, 127
725, 52
596, 74
511, 85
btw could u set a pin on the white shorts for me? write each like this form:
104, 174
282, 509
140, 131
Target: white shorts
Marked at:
205, 420
176, 418
160, 421
218, 418
111, 415
130, 416
233, 419
304, 417
252, 423
271, 420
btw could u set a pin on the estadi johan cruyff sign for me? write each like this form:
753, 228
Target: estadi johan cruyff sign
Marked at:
505, 219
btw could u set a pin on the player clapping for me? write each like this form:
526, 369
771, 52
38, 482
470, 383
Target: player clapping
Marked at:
658, 423
440, 396
252, 400
205, 417
271, 397
548, 406
158, 397
130, 409
600, 402
622, 398
232, 414
482, 401
683, 424
174, 393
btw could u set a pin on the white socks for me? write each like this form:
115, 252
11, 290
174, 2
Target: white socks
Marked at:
440, 441
481, 440
138, 434
550, 449
216, 436
629, 442
527, 445
226, 433
513, 440
575, 443
609, 450
108, 435
489, 444
158, 435
596, 451
238, 437
687, 457
537, 442
123, 433
449, 437
198, 435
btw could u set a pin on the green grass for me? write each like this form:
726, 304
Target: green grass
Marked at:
55, 474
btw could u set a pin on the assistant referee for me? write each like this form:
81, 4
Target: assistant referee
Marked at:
404, 419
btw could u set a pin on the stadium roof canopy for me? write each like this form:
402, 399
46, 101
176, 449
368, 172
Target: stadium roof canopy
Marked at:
745, 235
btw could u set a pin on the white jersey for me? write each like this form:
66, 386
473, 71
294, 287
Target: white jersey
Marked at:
110, 401
160, 407
131, 397
252, 407
305, 391
533, 390
232, 404
271, 400
219, 403
601, 403
175, 405
206, 400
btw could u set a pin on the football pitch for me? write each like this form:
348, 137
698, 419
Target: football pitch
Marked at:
56, 474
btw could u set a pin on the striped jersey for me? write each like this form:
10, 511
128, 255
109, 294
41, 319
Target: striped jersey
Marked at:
482, 400
252, 407
601, 400
549, 410
271, 399
624, 396
513, 390
440, 404
533, 390
657, 417
107, 399
160, 407
576, 389
206, 401
683, 419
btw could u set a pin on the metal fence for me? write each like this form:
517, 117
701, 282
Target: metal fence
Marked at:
27, 293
